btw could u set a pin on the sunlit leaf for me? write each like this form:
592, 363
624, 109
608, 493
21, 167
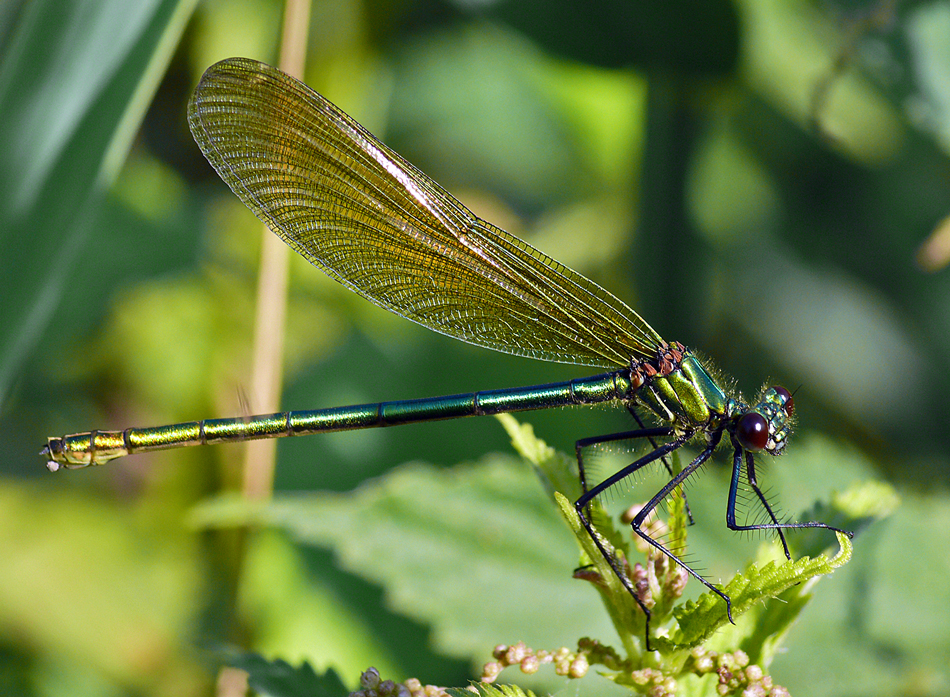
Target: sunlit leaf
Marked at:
477, 551
700, 619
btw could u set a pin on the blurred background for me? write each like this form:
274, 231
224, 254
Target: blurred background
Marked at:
764, 180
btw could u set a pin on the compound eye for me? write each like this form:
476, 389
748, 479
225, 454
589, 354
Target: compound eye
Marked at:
787, 402
752, 431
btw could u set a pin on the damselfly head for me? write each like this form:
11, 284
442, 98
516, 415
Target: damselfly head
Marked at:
766, 425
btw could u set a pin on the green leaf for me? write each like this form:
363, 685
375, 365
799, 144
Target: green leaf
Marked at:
280, 679
624, 612
771, 622
280, 596
854, 509
892, 600
558, 474
700, 619
75, 80
557, 471
476, 551
485, 690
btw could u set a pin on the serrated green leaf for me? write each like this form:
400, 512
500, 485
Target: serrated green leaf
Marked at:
280, 679
700, 619
854, 509
476, 551
486, 690
771, 624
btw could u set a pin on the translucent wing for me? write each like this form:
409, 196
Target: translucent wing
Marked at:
378, 225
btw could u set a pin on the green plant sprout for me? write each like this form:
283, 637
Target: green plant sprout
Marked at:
684, 651
697, 652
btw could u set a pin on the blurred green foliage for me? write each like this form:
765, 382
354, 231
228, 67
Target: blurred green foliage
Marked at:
756, 177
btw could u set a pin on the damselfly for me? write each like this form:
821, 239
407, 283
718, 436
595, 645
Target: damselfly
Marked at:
379, 226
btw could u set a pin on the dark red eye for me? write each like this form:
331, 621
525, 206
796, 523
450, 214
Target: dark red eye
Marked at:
788, 402
752, 431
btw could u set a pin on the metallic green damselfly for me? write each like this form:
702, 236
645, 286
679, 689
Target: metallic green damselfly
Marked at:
372, 221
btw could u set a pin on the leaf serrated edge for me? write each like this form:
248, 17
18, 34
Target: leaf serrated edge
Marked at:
699, 619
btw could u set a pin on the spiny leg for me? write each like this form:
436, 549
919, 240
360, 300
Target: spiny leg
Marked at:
683, 475
642, 432
774, 525
753, 483
582, 503
666, 462
583, 443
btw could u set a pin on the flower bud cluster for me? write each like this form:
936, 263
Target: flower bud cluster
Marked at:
567, 663
736, 675
372, 686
